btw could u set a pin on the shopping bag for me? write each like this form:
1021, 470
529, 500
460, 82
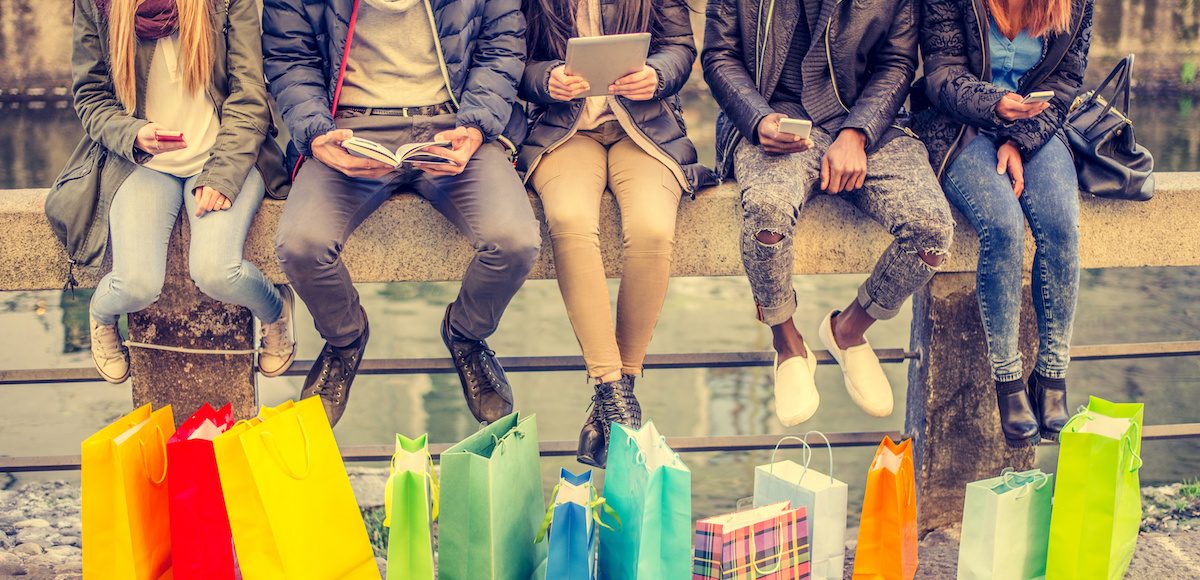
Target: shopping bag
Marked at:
410, 506
1097, 494
201, 543
291, 508
822, 497
575, 513
768, 543
1005, 527
650, 489
492, 504
126, 528
887, 532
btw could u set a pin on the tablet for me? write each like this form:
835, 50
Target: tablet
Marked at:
603, 59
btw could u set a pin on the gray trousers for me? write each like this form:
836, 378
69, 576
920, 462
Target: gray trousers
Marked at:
487, 202
900, 192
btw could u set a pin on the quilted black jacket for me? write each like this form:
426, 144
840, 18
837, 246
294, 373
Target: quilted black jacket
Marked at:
956, 99
661, 119
862, 58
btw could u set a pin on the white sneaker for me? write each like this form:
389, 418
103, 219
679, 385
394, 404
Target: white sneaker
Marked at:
109, 353
865, 381
279, 338
796, 396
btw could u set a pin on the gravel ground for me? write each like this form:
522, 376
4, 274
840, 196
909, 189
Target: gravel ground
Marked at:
40, 532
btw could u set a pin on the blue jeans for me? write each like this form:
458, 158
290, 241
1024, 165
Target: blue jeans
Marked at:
1050, 203
141, 218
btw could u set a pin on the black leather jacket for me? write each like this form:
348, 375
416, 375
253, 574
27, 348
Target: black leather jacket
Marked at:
856, 74
660, 119
956, 99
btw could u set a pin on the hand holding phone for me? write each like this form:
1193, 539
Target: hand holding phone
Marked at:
1038, 97
801, 128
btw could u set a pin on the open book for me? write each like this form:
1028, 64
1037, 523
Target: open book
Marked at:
410, 153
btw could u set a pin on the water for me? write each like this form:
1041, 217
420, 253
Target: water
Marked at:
48, 329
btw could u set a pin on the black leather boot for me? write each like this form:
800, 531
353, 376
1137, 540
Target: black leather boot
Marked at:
613, 402
333, 373
485, 386
1049, 397
1017, 419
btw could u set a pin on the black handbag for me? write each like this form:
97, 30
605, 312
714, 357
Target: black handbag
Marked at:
1108, 159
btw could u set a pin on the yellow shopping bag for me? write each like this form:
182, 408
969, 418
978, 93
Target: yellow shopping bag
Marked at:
291, 508
126, 530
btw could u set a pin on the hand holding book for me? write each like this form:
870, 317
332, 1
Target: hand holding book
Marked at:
328, 149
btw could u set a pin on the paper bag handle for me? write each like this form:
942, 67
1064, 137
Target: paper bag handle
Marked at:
1034, 477
807, 453
766, 570
162, 443
1135, 460
268, 440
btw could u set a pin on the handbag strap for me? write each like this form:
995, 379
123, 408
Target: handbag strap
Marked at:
1123, 74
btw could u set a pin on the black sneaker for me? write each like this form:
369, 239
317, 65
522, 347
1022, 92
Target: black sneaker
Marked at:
484, 384
613, 402
333, 372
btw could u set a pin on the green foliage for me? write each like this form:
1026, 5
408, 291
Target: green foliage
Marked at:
1191, 488
1187, 73
373, 519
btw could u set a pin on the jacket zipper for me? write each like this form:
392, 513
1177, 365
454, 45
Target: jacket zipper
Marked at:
337, 89
987, 74
571, 133
760, 46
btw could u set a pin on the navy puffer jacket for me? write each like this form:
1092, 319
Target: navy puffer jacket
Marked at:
482, 46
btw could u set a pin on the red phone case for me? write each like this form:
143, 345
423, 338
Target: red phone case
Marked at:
168, 136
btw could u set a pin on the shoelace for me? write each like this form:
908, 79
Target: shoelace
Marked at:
335, 366
482, 355
107, 341
275, 338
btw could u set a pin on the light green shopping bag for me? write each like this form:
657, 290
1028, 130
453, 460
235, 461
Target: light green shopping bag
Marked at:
492, 505
410, 505
1006, 525
1097, 495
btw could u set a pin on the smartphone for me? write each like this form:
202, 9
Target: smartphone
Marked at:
1038, 97
800, 127
169, 135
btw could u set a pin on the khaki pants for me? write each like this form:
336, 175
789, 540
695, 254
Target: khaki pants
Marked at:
570, 181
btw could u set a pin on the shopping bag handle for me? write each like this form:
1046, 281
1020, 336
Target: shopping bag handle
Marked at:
1135, 459
1034, 477
162, 443
268, 440
807, 453
434, 490
765, 570
597, 504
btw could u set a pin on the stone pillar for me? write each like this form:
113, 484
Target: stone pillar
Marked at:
952, 411
185, 317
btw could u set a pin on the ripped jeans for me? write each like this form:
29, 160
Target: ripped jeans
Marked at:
900, 192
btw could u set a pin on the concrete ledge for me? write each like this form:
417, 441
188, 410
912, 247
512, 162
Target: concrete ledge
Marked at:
408, 240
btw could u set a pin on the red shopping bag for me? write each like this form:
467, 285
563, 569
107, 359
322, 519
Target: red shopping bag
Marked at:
201, 542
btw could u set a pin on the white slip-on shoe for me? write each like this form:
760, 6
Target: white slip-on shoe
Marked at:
796, 396
865, 381
109, 353
279, 338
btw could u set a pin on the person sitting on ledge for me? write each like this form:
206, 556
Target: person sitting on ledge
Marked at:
399, 72
175, 117
846, 68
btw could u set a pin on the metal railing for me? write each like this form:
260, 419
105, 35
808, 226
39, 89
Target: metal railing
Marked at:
401, 366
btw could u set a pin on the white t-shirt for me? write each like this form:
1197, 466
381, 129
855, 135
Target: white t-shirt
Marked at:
171, 105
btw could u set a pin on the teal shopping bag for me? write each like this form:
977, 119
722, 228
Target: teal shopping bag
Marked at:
492, 504
1005, 527
1097, 493
823, 498
650, 490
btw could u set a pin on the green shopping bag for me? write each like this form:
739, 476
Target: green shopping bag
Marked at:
1097, 495
492, 504
1005, 527
650, 489
410, 505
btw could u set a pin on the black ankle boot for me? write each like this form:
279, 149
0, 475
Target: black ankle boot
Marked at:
613, 402
1017, 419
1049, 397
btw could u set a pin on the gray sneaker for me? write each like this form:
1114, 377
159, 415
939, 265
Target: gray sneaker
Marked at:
109, 353
279, 338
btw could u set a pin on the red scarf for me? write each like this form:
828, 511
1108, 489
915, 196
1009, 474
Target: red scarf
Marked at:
155, 18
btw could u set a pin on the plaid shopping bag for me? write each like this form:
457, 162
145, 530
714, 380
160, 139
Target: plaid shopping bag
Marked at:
770, 542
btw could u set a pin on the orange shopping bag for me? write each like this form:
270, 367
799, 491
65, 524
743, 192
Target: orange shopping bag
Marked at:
126, 530
887, 534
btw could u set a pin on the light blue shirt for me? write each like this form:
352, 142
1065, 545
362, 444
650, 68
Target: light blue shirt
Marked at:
1011, 59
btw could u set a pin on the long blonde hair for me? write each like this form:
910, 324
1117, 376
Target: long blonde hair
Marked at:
195, 36
1038, 17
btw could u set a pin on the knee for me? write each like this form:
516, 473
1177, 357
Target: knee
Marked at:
1003, 234
298, 250
767, 218
515, 244
213, 277
572, 219
141, 290
930, 236
1058, 231
657, 237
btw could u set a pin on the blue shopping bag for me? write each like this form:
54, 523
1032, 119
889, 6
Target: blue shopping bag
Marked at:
572, 522
650, 489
